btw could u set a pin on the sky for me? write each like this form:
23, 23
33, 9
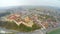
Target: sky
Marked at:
7, 3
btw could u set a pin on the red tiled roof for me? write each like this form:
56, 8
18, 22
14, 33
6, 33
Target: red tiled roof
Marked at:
13, 17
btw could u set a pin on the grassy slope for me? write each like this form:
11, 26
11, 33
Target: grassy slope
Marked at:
23, 28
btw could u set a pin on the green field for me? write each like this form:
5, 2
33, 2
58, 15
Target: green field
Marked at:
21, 28
56, 31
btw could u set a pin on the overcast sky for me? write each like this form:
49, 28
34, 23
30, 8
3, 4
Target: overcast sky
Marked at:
6, 3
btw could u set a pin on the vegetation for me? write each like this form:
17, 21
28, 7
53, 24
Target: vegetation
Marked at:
22, 28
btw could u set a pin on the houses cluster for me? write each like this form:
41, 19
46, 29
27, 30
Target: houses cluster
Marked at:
16, 18
29, 21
